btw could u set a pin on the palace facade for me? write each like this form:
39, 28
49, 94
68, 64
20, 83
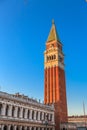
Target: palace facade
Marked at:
19, 112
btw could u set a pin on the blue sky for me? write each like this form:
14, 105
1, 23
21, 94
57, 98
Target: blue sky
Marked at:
24, 28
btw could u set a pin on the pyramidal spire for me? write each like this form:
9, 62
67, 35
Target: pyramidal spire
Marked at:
53, 33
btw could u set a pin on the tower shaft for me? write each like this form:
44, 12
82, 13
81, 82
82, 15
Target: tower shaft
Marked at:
54, 77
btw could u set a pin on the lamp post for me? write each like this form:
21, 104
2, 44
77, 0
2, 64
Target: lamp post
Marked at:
46, 121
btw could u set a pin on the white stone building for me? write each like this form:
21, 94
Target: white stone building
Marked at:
19, 112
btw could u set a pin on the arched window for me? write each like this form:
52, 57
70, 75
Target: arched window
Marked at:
50, 57
22, 127
32, 128
0, 108
37, 115
47, 58
28, 128
54, 56
50, 117
13, 111
18, 112
7, 109
32, 115
28, 114
44, 116
40, 115
12, 128
23, 113
5, 127
17, 128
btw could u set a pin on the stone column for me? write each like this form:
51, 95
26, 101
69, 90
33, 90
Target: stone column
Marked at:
16, 111
34, 115
20, 128
10, 111
30, 128
42, 128
34, 128
9, 126
48, 116
3, 109
26, 112
21, 112
30, 115
52, 117
39, 115
2, 127
15, 127
38, 128
25, 128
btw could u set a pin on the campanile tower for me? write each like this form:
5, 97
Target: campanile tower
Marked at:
54, 77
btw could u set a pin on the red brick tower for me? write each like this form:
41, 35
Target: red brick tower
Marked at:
54, 79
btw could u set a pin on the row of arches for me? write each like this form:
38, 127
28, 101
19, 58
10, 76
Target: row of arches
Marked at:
52, 57
19, 112
7, 127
